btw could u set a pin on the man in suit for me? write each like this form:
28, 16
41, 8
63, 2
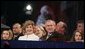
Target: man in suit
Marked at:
52, 35
17, 31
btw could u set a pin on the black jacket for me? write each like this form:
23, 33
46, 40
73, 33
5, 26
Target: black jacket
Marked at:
16, 38
56, 37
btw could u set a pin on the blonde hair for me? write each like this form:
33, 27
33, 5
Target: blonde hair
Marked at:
28, 22
10, 34
42, 31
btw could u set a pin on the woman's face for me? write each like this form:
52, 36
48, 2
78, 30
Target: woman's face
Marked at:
5, 35
39, 32
78, 36
29, 29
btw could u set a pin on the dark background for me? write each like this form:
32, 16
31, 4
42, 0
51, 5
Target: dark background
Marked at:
68, 11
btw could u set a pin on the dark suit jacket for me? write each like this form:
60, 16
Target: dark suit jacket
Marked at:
16, 38
56, 37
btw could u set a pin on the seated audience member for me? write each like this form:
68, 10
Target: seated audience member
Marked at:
40, 32
17, 31
28, 31
52, 35
6, 35
80, 26
61, 27
77, 37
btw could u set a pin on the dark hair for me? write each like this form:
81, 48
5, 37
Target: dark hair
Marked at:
80, 21
17, 23
73, 39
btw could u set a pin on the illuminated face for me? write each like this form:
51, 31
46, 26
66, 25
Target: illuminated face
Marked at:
50, 26
5, 35
29, 29
39, 32
16, 28
78, 36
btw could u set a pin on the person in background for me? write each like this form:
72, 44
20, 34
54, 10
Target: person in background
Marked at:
6, 35
77, 37
28, 31
52, 35
80, 26
61, 27
17, 30
79, 30
40, 32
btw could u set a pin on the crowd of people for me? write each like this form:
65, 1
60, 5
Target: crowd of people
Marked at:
45, 29
50, 31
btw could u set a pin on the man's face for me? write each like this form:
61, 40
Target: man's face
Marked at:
80, 27
16, 29
50, 26
60, 27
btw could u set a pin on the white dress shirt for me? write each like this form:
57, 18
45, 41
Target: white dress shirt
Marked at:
31, 37
49, 34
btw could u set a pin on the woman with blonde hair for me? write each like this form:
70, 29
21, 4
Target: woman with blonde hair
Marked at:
28, 31
40, 32
6, 35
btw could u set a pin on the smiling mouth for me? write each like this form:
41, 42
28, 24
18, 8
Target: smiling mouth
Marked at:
29, 30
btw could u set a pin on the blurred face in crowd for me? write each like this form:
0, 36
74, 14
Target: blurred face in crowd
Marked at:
80, 27
60, 27
17, 28
39, 32
5, 35
78, 36
29, 29
50, 26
